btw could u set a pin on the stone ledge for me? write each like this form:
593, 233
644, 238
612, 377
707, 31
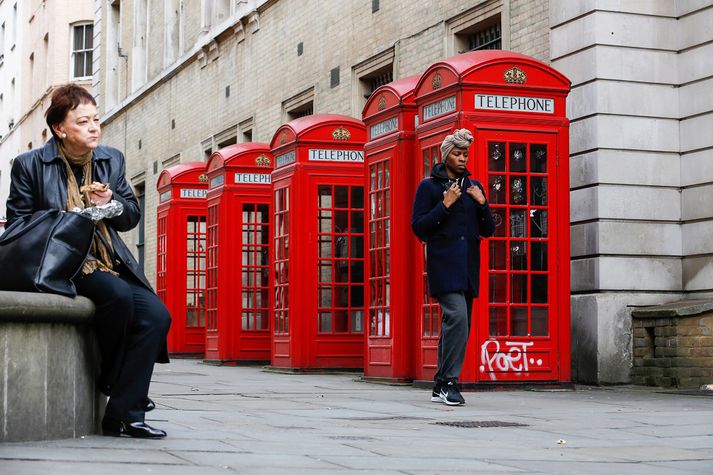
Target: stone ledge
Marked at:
26, 307
680, 308
48, 360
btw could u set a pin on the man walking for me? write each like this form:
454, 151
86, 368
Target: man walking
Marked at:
451, 215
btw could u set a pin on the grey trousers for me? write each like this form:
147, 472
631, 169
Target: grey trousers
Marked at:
455, 328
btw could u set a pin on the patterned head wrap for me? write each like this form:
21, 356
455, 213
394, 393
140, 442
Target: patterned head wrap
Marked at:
461, 138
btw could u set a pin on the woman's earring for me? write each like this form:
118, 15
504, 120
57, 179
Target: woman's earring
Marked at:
64, 136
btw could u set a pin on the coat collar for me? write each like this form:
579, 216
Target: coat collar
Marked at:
50, 152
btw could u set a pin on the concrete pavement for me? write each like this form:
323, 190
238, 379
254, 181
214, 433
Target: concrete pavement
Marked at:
223, 420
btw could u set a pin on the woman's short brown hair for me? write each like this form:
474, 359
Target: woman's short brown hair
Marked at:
64, 99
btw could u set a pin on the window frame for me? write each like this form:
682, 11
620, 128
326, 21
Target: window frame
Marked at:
84, 51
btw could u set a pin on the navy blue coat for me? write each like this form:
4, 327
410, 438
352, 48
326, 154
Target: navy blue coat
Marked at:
452, 235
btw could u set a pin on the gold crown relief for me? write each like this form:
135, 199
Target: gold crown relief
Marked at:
217, 163
341, 133
382, 103
283, 138
515, 75
436, 81
202, 177
262, 160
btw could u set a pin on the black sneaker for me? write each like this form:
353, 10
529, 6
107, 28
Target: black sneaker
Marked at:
436, 393
450, 394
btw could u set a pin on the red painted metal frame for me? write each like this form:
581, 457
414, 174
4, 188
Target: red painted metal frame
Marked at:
173, 213
458, 80
391, 179
239, 176
297, 343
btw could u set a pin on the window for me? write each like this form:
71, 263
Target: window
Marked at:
2, 42
486, 38
227, 137
485, 26
369, 75
82, 46
298, 106
245, 130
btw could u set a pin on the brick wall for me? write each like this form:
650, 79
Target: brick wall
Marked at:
673, 351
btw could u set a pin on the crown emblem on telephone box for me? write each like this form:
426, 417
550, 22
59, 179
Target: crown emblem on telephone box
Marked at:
515, 75
341, 133
262, 160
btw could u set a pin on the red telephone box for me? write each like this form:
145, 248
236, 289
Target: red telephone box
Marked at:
391, 181
318, 224
180, 254
515, 107
238, 307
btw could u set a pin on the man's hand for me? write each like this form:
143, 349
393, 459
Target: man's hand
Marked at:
476, 193
451, 195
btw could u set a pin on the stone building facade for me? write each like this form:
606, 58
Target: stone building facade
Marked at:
42, 44
177, 79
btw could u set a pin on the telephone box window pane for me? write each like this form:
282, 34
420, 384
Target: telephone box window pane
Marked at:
372, 178
538, 187
325, 271
341, 295
325, 221
263, 213
261, 323
357, 296
540, 321
426, 162
498, 321
518, 321
518, 288
499, 217
538, 158
341, 321
245, 322
538, 223
539, 288
342, 270
538, 255
325, 196
325, 322
325, 246
498, 287
518, 255
325, 296
341, 223
517, 157
496, 152
517, 223
497, 189
341, 196
518, 190
498, 254
357, 322
357, 197
191, 317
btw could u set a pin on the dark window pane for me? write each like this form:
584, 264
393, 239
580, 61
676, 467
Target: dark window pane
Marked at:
498, 283
538, 223
518, 255
498, 321
539, 288
538, 255
538, 158
518, 321
539, 191
496, 160
518, 190
341, 196
518, 288
498, 254
517, 157
357, 197
497, 189
539, 321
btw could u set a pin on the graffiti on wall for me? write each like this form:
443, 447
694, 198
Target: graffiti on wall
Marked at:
513, 358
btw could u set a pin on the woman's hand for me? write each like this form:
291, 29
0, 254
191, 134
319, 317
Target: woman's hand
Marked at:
477, 194
99, 198
451, 195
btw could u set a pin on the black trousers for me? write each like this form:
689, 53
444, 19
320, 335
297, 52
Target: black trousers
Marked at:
131, 324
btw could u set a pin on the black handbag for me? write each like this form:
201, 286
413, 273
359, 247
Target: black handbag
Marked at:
44, 251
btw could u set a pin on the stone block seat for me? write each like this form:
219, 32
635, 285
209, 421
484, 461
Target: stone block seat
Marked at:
673, 344
47, 367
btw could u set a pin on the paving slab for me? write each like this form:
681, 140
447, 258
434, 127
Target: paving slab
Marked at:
228, 419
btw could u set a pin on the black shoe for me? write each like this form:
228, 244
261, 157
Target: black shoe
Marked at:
149, 405
140, 430
450, 394
436, 393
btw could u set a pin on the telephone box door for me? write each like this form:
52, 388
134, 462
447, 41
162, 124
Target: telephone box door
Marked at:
518, 328
339, 325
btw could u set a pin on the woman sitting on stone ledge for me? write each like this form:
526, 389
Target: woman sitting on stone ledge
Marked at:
73, 171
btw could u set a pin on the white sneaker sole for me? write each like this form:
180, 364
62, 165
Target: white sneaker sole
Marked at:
436, 399
450, 403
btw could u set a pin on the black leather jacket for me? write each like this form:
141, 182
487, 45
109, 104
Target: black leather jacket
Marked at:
39, 181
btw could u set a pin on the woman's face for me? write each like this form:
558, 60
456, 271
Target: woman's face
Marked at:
80, 131
456, 160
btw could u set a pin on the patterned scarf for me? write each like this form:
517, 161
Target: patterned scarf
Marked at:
100, 256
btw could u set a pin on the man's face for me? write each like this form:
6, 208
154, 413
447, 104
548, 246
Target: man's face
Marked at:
457, 160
